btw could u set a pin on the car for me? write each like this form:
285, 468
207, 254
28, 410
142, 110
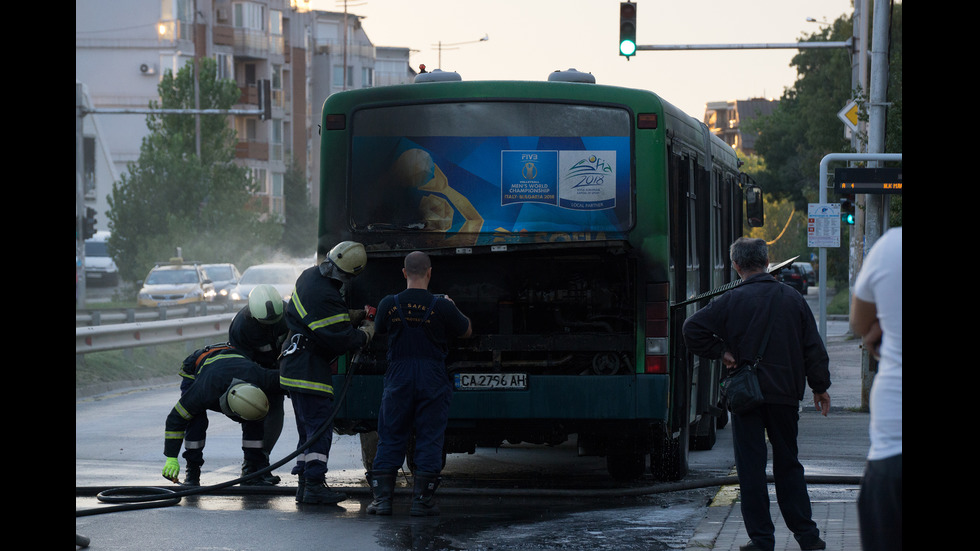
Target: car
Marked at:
282, 276
100, 268
224, 277
793, 276
809, 273
175, 283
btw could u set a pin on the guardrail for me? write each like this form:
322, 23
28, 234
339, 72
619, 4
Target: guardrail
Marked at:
132, 335
103, 316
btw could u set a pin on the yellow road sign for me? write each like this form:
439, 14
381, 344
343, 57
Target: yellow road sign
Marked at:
849, 114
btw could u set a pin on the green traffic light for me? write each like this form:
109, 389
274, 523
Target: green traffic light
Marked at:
627, 48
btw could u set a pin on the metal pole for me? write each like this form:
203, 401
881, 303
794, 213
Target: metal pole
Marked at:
822, 184
759, 46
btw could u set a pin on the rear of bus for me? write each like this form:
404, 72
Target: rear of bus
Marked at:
525, 196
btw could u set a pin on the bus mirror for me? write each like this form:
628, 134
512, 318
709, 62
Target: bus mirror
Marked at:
753, 206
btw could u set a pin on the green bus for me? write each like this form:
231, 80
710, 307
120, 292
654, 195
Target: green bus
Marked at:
573, 223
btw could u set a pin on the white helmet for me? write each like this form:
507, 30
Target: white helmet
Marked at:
349, 256
265, 304
247, 401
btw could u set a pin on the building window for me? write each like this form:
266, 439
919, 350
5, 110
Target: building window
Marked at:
277, 97
367, 77
275, 151
261, 185
225, 66
249, 15
338, 76
275, 198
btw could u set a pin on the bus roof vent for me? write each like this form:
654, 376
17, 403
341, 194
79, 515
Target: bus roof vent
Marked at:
571, 75
437, 75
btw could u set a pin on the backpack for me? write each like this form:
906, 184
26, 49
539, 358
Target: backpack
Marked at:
190, 365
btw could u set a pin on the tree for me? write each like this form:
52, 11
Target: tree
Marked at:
174, 197
299, 234
804, 127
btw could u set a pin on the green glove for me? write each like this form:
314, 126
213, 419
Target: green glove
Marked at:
171, 469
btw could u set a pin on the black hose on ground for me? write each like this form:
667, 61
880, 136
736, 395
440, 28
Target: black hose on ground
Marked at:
165, 497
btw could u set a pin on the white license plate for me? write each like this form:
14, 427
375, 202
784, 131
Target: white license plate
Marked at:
491, 381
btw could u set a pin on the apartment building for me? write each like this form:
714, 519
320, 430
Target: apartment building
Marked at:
123, 47
725, 119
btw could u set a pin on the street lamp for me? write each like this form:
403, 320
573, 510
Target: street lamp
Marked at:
455, 46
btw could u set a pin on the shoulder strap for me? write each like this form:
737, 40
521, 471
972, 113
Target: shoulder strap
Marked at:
772, 316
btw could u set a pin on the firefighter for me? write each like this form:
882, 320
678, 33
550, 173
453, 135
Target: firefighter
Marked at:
258, 330
417, 388
320, 330
229, 382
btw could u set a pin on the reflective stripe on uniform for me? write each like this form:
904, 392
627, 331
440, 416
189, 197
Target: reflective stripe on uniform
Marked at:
306, 385
173, 435
253, 444
222, 357
316, 457
194, 444
182, 412
321, 323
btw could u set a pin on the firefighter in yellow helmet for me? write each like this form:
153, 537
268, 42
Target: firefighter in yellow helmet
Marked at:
226, 381
320, 327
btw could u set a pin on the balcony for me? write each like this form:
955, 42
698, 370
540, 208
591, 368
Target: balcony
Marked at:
258, 151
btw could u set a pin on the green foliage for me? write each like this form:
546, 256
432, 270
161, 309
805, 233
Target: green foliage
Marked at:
299, 234
804, 128
176, 196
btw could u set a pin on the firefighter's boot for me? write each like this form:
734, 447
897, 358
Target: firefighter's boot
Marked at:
193, 476
318, 492
267, 479
383, 487
423, 503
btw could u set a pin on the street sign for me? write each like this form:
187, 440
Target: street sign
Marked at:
868, 180
823, 225
849, 114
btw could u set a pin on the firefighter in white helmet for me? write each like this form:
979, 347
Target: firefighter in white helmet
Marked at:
321, 329
258, 330
227, 381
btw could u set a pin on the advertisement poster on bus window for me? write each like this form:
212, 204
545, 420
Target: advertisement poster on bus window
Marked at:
489, 187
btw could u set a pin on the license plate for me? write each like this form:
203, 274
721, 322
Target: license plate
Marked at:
491, 381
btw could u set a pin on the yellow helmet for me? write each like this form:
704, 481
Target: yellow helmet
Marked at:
247, 401
349, 256
265, 304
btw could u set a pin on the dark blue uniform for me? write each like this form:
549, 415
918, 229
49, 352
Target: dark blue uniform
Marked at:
417, 388
319, 321
214, 375
262, 342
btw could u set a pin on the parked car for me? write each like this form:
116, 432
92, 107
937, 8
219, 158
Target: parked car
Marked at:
809, 273
282, 276
100, 269
793, 276
224, 277
175, 283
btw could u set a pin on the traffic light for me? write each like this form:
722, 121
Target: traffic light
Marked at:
847, 209
88, 225
627, 29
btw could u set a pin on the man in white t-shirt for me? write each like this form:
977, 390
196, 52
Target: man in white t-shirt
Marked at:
876, 315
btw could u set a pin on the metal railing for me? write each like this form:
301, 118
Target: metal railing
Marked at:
132, 335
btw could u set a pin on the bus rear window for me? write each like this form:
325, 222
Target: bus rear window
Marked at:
491, 167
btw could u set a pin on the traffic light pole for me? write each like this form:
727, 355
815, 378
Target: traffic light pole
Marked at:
848, 44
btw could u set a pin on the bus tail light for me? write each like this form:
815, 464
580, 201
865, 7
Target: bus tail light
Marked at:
655, 349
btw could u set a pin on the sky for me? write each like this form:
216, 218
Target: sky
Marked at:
528, 39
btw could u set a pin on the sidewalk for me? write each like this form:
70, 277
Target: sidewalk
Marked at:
831, 448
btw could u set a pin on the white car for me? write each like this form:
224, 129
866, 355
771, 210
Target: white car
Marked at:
99, 266
282, 276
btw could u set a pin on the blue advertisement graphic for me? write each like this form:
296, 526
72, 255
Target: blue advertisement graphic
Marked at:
491, 185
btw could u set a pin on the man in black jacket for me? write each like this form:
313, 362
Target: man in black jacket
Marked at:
731, 328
